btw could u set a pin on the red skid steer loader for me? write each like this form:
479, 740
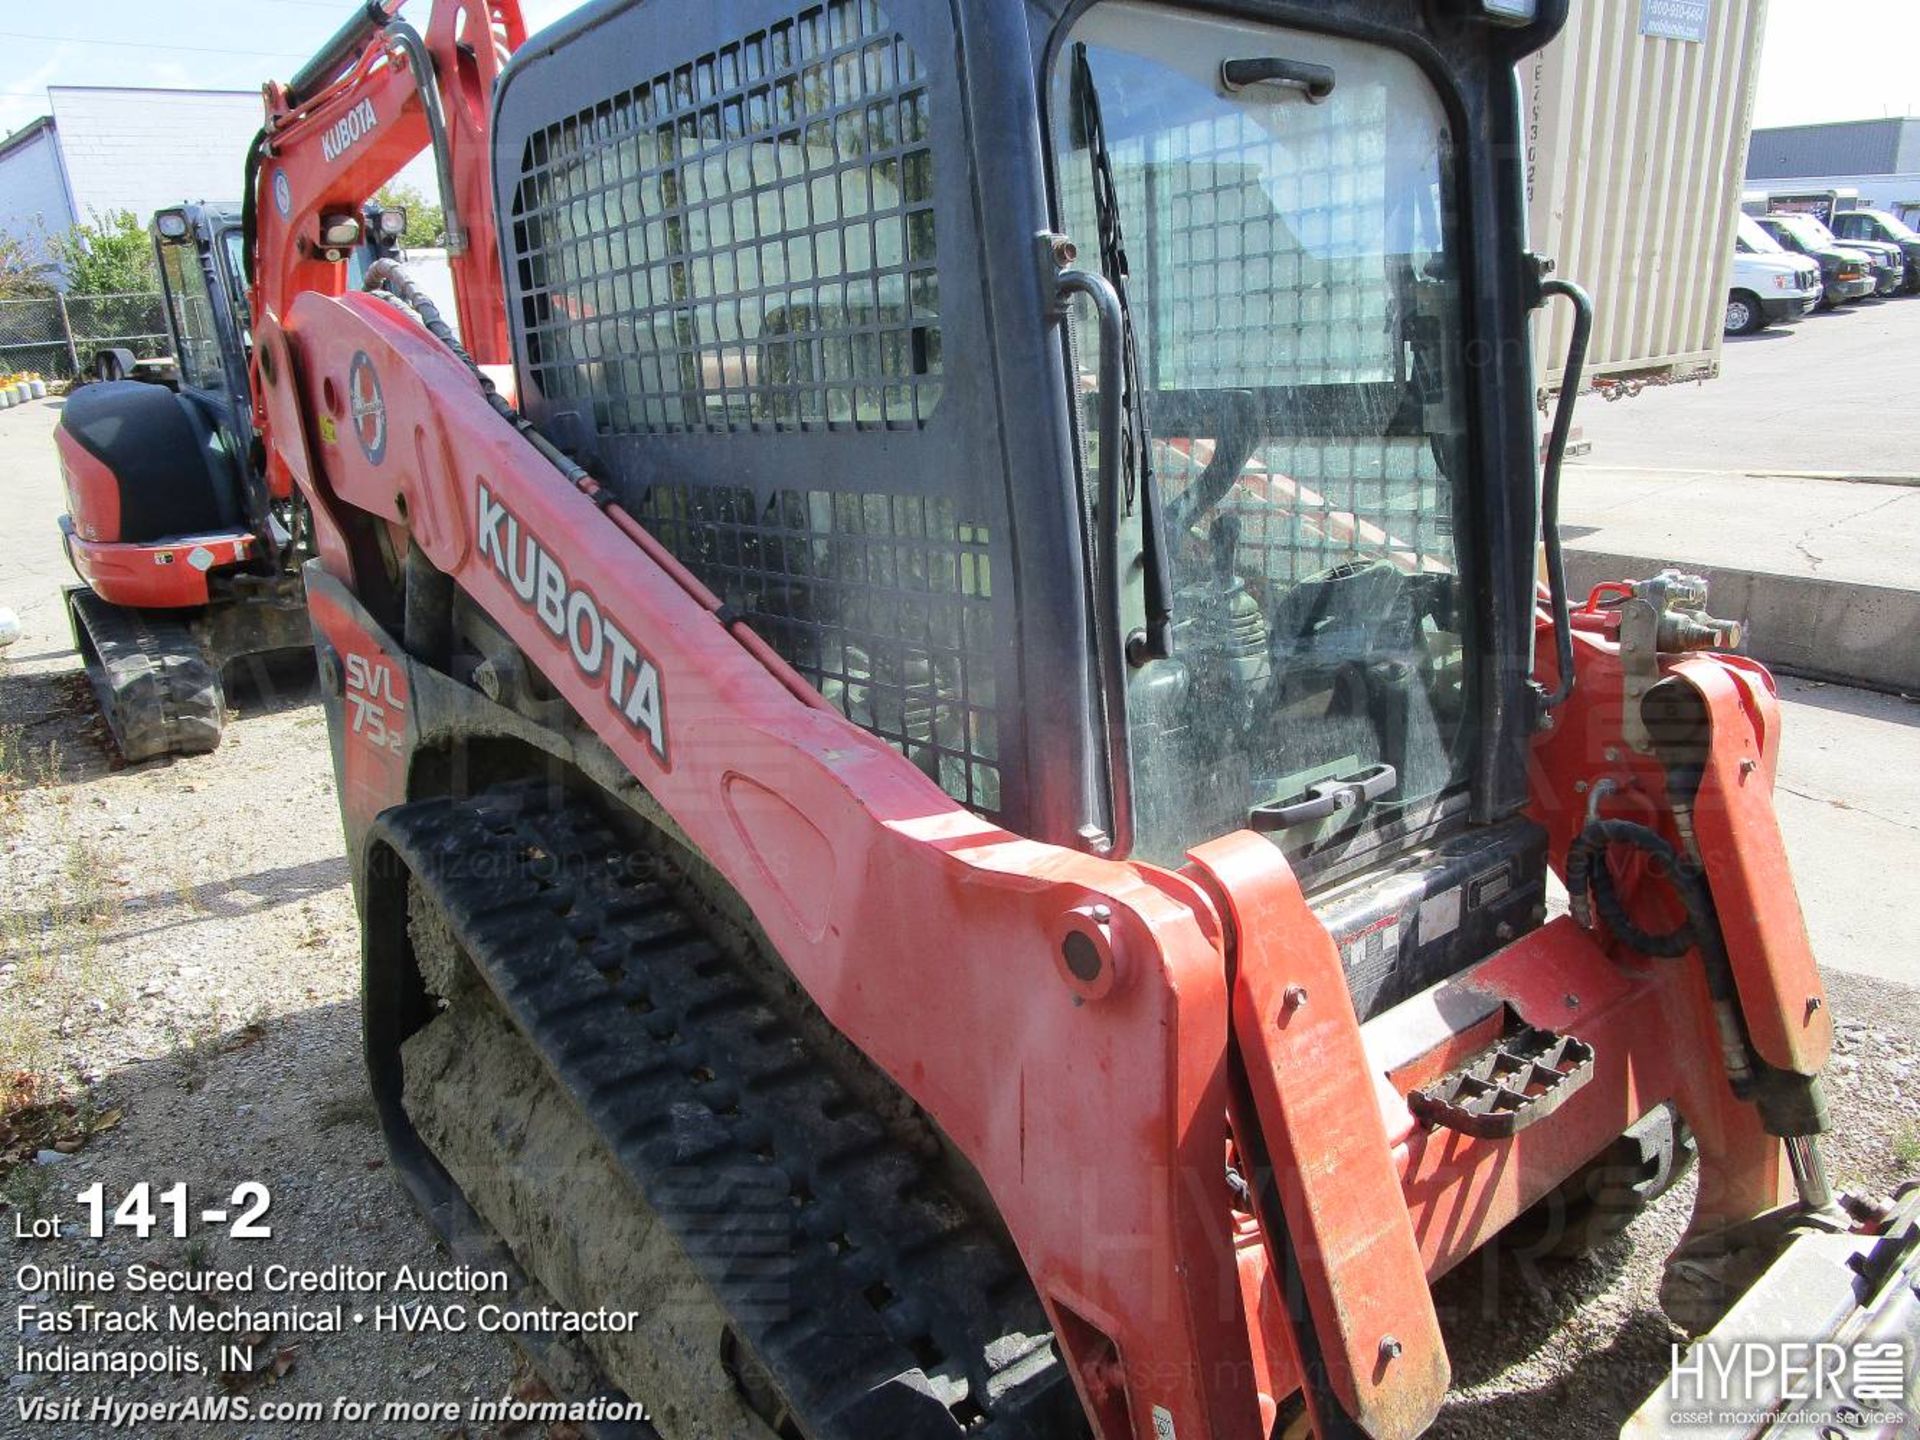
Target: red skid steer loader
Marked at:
949, 747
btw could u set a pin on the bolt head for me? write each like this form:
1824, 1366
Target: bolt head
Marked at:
1390, 1348
1103, 914
1065, 252
1294, 996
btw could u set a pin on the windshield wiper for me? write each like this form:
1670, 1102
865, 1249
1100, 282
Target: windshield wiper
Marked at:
1326, 797
1156, 642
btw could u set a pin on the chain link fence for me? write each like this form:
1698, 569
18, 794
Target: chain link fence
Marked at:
57, 336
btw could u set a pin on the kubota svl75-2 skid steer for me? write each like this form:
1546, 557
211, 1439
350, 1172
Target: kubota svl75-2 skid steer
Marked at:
954, 816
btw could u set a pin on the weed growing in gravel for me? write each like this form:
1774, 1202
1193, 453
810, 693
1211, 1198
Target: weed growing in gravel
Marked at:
54, 974
28, 1191
1906, 1148
194, 1050
198, 1252
24, 766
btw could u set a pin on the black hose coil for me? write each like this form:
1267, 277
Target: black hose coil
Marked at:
1588, 875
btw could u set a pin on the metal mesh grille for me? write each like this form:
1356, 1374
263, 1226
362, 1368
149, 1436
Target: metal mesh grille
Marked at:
745, 242
882, 601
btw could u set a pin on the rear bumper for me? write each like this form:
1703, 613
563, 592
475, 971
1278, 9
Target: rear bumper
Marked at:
1826, 1342
169, 575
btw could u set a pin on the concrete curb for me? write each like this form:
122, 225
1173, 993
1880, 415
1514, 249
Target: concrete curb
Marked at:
1830, 629
1907, 478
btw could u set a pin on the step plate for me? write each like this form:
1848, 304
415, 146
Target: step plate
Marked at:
1522, 1077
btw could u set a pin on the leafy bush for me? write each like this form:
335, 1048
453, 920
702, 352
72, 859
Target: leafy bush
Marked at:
110, 255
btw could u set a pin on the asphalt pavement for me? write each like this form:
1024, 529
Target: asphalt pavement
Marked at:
1792, 482
1834, 394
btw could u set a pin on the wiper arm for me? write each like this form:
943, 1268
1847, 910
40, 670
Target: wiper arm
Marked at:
1326, 797
1136, 458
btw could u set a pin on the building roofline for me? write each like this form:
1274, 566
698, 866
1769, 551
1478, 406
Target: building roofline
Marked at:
25, 133
1835, 124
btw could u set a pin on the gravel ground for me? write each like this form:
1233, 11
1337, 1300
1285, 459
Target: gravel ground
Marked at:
178, 949
178, 960
1570, 1350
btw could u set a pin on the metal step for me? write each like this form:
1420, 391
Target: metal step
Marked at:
876, 1300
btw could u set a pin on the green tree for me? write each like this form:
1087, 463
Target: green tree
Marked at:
112, 254
426, 222
22, 277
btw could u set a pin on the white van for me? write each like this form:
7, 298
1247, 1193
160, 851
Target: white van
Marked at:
1770, 284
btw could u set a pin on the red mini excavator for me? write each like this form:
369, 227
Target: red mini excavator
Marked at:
950, 752
189, 555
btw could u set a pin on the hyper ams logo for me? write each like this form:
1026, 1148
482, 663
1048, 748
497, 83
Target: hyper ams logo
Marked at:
600, 650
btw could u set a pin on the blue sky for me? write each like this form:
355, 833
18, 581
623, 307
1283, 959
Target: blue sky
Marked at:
1813, 68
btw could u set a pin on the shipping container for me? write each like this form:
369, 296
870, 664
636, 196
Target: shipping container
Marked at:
1637, 122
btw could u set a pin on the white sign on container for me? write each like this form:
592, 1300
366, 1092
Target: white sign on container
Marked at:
1676, 19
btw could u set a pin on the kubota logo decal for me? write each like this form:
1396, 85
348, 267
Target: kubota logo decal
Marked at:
367, 407
601, 651
349, 130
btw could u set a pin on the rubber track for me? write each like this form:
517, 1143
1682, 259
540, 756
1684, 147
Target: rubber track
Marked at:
159, 692
880, 1306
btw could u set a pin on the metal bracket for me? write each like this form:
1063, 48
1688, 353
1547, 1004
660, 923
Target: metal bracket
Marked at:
1666, 615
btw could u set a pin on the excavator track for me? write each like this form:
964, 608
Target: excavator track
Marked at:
160, 693
860, 1296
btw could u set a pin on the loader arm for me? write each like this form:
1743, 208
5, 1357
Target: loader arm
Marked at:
804, 811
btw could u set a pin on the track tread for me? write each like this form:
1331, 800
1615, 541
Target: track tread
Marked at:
862, 1285
159, 692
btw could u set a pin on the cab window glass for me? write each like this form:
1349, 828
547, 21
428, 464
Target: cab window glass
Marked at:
192, 310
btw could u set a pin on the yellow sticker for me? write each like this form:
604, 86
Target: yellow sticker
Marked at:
329, 435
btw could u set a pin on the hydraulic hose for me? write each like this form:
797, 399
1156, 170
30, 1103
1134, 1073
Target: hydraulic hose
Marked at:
1590, 888
1550, 484
1588, 876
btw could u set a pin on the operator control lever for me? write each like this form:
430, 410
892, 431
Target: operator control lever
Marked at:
1324, 798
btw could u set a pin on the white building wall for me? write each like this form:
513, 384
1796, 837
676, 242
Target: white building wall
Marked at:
142, 150
33, 195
